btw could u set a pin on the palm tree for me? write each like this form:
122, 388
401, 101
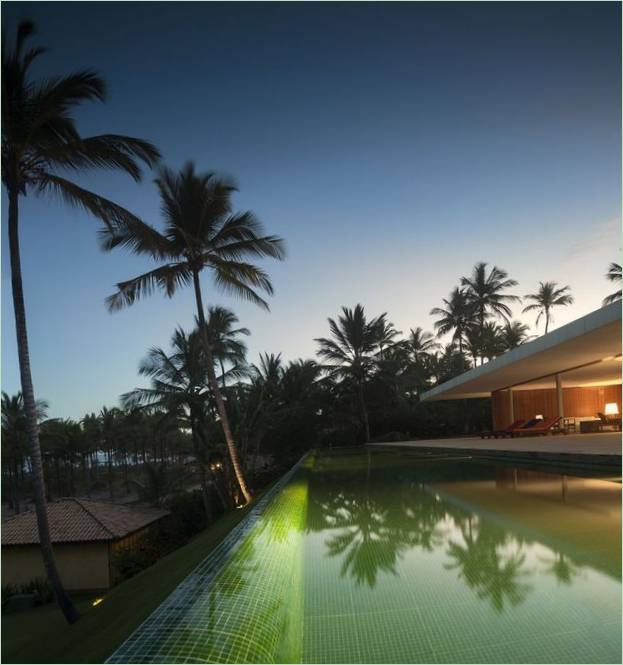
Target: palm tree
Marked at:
513, 334
179, 388
484, 292
473, 343
40, 143
200, 233
350, 352
614, 275
547, 297
263, 397
413, 356
491, 343
385, 334
14, 428
156, 484
420, 344
447, 363
455, 318
109, 423
224, 338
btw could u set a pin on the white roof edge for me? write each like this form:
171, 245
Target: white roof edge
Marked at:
597, 319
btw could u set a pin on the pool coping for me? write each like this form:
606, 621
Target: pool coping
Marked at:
582, 460
216, 559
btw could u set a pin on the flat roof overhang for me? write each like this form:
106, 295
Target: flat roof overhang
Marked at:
585, 352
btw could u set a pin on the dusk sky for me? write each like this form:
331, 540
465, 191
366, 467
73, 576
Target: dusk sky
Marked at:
392, 145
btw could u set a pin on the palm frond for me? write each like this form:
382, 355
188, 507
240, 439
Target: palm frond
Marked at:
108, 151
239, 273
138, 237
106, 211
613, 297
167, 278
233, 283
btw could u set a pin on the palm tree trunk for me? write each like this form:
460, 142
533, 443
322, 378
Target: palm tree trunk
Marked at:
223, 375
364, 412
30, 408
481, 317
110, 479
205, 494
17, 488
216, 391
546, 320
72, 484
199, 456
85, 474
59, 484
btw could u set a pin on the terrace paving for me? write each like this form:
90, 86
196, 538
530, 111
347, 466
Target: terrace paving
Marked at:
603, 448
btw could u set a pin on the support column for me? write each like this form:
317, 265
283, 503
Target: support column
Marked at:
511, 406
559, 396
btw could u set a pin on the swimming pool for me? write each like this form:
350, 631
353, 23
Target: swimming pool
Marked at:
393, 557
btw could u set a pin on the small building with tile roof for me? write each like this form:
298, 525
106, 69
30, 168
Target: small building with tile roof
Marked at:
85, 536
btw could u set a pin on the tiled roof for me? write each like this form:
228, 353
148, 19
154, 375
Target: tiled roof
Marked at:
80, 520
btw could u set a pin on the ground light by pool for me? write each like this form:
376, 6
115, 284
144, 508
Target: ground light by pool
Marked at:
384, 557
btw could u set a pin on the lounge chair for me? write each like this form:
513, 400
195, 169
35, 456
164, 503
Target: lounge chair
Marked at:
542, 426
487, 434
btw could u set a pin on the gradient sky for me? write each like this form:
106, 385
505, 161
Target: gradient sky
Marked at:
391, 145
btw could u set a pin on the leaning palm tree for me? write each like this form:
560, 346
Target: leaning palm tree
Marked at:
614, 275
455, 318
547, 297
179, 389
484, 291
40, 146
350, 353
201, 233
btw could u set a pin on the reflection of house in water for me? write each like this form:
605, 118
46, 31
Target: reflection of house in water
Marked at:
580, 517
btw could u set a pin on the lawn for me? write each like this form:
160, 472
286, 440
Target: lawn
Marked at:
42, 635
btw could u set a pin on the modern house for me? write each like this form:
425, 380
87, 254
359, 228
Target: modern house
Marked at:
85, 537
573, 372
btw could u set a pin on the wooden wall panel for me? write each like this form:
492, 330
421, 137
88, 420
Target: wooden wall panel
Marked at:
577, 402
499, 409
529, 403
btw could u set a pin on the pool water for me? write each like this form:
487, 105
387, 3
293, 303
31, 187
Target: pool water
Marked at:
386, 557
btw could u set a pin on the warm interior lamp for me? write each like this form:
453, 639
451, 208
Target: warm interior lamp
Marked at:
97, 601
539, 417
612, 409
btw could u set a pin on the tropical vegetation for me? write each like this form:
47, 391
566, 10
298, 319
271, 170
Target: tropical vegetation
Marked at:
613, 275
206, 420
548, 296
201, 232
41, 147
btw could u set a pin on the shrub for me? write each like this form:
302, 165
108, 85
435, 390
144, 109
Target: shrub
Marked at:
40, 587
129, 562
188, 513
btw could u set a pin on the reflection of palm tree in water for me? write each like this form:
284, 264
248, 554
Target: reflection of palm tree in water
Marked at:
366, 543
377, 526
561, 566
493, 574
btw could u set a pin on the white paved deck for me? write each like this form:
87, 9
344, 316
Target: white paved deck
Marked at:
603, 443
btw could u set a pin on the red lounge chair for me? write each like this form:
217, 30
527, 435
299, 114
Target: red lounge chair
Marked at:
487, 434
542, 427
